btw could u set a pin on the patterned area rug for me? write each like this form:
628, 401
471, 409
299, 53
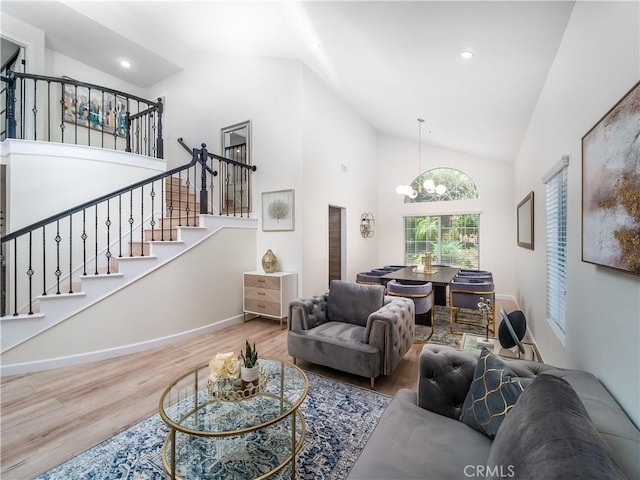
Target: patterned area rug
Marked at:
442, 333
339, 418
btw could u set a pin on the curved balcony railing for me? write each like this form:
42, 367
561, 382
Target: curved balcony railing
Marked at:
65, 110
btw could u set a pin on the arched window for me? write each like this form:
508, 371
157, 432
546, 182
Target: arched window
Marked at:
441, 185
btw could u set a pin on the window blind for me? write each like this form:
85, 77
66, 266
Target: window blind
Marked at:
556, 205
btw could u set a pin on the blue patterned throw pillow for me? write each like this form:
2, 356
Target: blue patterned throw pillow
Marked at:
493, 392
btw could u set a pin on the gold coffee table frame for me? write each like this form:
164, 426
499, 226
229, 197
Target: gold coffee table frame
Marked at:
196, 380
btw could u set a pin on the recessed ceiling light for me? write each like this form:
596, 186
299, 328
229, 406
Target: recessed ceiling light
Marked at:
467, 54
125, 64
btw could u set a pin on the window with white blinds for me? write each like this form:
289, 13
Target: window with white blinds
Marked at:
556, 185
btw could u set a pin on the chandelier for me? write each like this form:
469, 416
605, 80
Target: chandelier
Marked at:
428, 185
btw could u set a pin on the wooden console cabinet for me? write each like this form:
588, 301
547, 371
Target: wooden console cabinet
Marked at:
268, 294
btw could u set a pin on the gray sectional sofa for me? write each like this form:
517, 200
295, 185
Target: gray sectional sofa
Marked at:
564, 424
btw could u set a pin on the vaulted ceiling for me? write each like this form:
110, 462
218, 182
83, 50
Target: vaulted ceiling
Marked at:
391, 61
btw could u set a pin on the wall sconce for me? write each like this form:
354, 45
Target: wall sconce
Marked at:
367, 223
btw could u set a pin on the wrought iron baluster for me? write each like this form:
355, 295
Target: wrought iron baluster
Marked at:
159, 140
34, 109
70, 254
44, 262
187, 209
3, 286
89, 119
108, 224
95, 253
153, 211
171, 208
154, 135
179, 201
101, 120
62, 109
30, 273
48, 110
131, 223
15, 277
197, 209
84, 237
226, 188
210, 210
77, 115
23, 102
142, 221
162, 206
58, 272
120, 226
138, 135
145, 135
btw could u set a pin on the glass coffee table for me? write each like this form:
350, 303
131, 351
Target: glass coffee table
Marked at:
228, 433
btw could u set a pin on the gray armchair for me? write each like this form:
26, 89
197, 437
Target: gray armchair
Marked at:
353, 328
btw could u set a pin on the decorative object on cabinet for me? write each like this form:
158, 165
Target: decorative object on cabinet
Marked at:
278, 210
269, 262
525, 222
611, 188
367, 225
268, 294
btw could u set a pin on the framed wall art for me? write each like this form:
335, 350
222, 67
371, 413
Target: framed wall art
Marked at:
95, 109
611, 187
525, 222
278, 210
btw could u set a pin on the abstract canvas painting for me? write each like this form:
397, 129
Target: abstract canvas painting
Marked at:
95, 109
611, 187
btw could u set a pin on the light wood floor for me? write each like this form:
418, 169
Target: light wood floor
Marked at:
49, 417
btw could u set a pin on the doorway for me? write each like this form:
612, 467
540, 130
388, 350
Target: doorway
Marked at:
336, 228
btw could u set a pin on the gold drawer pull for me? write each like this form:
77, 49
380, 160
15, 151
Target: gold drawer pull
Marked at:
261, 280
261, 293
262, 306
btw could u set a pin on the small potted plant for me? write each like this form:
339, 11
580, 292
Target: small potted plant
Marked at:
249, 369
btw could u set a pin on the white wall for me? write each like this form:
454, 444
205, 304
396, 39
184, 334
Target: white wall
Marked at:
597, 63
80, 174
195, 291
58, 65
215, 91
28, 36
398, 159
339, 169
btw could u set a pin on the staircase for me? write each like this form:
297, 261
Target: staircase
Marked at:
167, 236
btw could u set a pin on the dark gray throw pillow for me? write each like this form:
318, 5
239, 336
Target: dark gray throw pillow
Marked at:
548, 435
493, 392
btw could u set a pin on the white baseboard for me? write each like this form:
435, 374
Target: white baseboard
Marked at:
78, 359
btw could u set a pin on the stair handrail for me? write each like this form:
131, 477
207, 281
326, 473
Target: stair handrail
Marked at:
253, 168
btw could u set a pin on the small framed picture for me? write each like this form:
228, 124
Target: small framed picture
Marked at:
525, 222
278, 210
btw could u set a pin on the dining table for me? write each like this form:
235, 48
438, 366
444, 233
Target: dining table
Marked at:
439, 275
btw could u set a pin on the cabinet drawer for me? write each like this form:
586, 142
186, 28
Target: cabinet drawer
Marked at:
262, 281
262, 294
260, 306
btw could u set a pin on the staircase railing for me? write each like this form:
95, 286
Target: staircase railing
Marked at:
64, 110
48, 256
